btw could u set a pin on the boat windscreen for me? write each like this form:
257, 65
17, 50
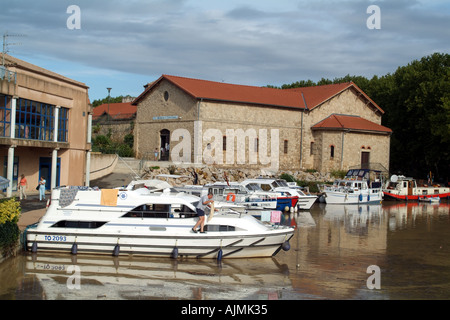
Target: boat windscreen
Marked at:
281, 183
253, 187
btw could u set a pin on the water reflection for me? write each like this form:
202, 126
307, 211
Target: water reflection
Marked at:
330, 252
104, 277
403, 239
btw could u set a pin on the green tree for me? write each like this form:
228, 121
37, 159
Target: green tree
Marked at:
416, 101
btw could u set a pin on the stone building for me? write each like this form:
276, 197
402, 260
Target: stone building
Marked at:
44, 121
114, 119
325, 128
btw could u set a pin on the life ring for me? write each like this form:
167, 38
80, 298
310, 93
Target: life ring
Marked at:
231, 196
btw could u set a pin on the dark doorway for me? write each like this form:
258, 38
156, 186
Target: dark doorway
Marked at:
164, 148
365, 159
45, 170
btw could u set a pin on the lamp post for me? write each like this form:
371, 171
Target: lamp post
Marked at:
109, 91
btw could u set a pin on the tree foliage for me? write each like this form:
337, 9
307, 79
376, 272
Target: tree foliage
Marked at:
416, 101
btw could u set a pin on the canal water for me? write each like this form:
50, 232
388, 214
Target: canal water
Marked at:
393, 250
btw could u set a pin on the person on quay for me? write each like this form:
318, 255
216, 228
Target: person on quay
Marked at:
22, 185
42, 189
204, 202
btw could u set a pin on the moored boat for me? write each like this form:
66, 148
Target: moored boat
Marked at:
287, 198
121, 221
356, 187
406, 188
232, 193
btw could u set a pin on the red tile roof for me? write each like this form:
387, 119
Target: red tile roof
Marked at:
219, 91
290, 98
355, 123
117, 111
316, 95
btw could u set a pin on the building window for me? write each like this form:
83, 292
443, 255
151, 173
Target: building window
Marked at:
224, 143
34, 120
285, 146
331, 152
256, 145
311, 150
166, 95
5, 115
63, 119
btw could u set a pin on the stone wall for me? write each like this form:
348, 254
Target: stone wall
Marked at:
348, 102
211, 174
294, 128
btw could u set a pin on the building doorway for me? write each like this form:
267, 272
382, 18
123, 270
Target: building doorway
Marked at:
45, 170
365, 159
164, 148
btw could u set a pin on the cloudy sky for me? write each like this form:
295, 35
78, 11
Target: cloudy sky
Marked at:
125, 44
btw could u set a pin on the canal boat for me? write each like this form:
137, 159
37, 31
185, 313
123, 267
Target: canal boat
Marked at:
122, 221
287, 198
407, 188
359, 186
226, 193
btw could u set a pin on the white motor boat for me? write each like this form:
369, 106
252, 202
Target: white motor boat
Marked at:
287, 197
355, 188
121, 221
233, 194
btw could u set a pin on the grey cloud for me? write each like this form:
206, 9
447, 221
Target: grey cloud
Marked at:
245, 45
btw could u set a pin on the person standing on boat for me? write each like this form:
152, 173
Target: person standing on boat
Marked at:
42, 189
204, 202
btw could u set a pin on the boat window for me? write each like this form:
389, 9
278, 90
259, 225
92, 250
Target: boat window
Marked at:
266, 187
253, 187
78, 224
185, 212
219, 228
282, 183
149, 211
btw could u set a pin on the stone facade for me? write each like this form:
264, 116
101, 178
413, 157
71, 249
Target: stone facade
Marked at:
167, 107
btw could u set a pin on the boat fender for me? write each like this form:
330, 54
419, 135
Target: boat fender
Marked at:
116, 250
74, 249
219, 255
34, 247
286, 246
360, 197
368, 197
174, 254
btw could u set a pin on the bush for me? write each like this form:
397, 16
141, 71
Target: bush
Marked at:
9, 231
104, 144
9, 211
340, 174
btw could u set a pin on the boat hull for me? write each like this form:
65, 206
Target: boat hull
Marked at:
334, 197
414, 197
305, 203
192, 246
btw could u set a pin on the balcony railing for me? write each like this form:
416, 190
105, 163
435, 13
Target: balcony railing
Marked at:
7, 75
